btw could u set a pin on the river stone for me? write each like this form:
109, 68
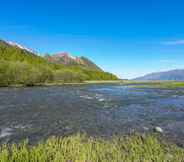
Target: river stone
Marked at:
158, 129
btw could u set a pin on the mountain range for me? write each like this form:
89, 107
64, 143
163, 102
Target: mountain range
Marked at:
65, 62
172, 75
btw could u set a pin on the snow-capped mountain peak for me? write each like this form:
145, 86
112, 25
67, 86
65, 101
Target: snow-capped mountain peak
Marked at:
65, 54
21, 47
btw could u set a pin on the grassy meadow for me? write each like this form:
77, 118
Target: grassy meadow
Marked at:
81, 148
154, 84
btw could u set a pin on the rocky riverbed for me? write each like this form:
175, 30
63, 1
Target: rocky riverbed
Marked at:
98, 110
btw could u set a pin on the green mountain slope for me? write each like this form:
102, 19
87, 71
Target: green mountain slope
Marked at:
20, 66
88, 63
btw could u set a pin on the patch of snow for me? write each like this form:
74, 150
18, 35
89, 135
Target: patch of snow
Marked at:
20, 46
65, 54
72, 57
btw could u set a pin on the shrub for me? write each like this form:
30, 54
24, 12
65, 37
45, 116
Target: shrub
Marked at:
23, 73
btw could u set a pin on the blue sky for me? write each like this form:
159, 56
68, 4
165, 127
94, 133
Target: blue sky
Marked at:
126, 37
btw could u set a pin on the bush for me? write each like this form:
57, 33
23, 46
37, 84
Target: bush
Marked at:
69, 76
23, 73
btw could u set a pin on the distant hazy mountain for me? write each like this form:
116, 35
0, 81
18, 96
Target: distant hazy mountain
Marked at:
172, 75
69, 60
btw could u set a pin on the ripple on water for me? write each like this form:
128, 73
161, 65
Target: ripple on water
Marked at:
87, 97
5, 132
95, 109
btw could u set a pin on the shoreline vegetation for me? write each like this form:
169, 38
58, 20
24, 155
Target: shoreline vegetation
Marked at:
81, 148
66, 83
156, 84
136, 84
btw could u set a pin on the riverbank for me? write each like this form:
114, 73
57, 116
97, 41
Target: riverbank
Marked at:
80, 148
156, 84
138, 84
67, 83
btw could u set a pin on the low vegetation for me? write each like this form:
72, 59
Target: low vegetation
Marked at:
19, 66
155, 84
80, 148
170, 85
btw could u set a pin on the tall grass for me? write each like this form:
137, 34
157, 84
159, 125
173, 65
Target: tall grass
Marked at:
80, 148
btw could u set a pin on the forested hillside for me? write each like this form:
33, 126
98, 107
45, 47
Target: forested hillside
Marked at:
19, 66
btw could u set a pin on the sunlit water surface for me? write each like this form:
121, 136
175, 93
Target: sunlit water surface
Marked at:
98, 110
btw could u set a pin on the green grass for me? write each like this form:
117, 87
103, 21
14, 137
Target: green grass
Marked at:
167, 85
155, 84
80, 148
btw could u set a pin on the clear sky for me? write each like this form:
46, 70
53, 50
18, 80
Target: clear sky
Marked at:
126, 37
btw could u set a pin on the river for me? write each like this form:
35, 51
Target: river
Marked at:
36, 113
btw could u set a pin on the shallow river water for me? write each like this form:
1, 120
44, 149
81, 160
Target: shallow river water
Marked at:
98, 110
